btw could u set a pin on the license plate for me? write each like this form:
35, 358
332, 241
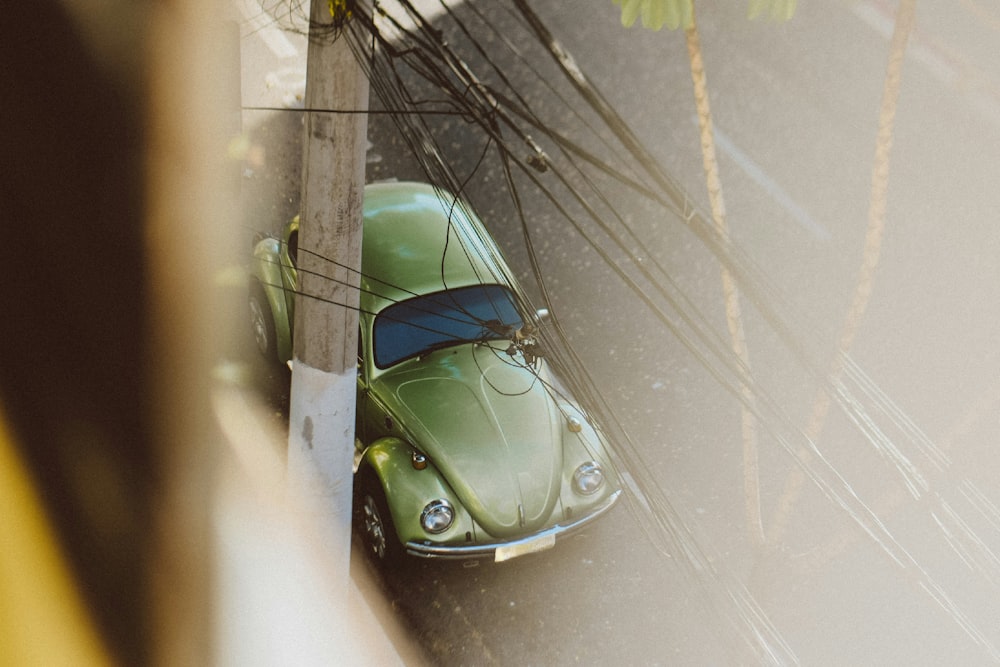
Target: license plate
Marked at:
540, 543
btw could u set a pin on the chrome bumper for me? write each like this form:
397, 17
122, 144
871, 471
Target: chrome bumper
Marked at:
501, 551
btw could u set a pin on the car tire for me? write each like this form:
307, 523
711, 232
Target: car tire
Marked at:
262, 322
374, 520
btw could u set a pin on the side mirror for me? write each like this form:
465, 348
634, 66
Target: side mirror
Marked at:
542, 314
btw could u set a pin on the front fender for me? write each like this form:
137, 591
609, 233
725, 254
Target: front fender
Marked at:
408, 490
579, 446
266, 269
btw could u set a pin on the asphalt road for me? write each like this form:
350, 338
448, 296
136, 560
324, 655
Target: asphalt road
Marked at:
796, 108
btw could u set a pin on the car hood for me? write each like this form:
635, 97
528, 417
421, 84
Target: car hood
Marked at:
490, 427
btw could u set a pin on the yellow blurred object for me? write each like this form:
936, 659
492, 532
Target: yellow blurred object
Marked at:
340, 10
43, 620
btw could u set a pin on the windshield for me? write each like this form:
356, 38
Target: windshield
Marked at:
409, 328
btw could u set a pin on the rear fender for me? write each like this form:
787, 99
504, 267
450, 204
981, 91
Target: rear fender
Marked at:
267, 270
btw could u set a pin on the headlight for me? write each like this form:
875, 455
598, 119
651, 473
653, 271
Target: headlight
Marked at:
588, 478
437, 516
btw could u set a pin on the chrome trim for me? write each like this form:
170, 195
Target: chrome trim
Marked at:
585, 469
461, 552
433, 506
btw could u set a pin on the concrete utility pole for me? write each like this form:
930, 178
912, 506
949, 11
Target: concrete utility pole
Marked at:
324, 370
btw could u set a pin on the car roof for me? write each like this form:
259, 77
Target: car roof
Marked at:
408, 229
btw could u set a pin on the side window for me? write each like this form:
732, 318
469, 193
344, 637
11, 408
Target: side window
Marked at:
293, 248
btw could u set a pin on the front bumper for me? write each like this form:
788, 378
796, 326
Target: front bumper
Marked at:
501, 551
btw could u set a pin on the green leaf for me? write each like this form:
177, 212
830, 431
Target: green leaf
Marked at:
630, 11
779, 10
656, 13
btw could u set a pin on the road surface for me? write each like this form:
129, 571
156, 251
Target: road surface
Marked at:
795, 108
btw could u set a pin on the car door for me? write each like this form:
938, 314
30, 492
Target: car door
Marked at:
361, 405
373, 420
288, 257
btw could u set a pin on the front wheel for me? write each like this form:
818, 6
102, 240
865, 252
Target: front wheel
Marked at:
375, 521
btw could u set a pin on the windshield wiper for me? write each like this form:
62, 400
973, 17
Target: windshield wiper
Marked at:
442, 344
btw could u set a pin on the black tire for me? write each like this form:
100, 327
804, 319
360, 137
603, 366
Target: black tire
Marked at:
374, 521
262, 322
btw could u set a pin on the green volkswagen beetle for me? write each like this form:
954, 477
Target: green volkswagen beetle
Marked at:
467, 445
